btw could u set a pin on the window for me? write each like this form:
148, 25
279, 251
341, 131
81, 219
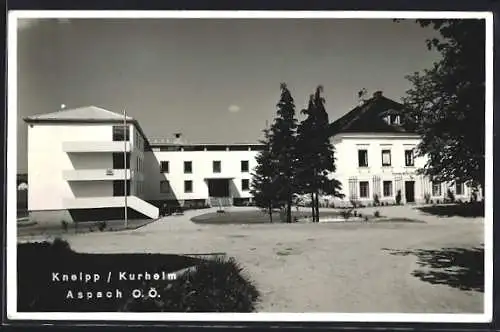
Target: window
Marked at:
387, 188
244, 166
121, 132
164, 167
164, 187
386, 157
436, 189
216, 166
188, 167
409, 161
119, 160
363, 189
363, 158
119, 187
245, 184
459, 188
188, 186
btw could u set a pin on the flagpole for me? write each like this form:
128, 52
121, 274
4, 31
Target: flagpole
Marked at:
125, 169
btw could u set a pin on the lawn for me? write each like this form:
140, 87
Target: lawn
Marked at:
250, 217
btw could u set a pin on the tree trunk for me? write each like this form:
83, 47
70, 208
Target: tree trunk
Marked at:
313, 211
317, 207
270, 211
289, 211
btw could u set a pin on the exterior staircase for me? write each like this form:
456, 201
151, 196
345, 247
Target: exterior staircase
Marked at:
221, 201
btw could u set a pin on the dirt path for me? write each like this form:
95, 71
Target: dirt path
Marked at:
317, 267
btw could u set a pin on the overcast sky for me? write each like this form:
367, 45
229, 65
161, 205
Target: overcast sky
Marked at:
212, 80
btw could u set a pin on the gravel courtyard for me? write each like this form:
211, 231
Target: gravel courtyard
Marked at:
326, 267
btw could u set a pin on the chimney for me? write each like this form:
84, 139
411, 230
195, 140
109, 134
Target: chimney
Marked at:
377, 94
177, 138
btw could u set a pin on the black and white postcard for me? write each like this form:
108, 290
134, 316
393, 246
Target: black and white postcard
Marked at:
250, 166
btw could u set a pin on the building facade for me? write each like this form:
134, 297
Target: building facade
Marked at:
88, 163
79, 163
199, 174
376, 148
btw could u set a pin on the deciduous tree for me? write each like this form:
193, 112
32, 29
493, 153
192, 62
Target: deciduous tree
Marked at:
448, 102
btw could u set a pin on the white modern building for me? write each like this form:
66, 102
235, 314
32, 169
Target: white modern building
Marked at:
79, 163
198, 175
81, 160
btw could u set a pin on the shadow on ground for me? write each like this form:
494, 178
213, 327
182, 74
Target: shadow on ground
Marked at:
456, 267
455, 210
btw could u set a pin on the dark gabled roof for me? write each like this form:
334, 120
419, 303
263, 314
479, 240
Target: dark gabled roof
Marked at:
368, 118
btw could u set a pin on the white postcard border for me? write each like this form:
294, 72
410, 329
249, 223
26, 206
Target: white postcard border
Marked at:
11, 288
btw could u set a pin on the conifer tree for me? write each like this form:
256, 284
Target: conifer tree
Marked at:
283, 148
262, 187
316, 161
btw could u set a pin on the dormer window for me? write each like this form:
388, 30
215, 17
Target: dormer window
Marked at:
394, 120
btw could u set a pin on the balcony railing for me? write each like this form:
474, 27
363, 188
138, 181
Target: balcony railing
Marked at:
95, 174
97, 146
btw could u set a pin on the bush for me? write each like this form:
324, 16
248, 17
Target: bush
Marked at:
376, 200
221, 211
101, 225
451, 196
427, 198
366, 218
360, 215
64, 225
377, 214
354, 203
217, 285
355, 213
346, 214
438, 201
398, 198
212, 285
432, 201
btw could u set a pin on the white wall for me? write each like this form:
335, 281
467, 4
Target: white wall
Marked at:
202, 169
47, 161
347, 146
137, 162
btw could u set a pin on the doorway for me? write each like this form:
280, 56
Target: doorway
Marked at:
218, 188
410, 191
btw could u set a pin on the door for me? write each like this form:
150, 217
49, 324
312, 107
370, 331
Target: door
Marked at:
218, 188
410, 191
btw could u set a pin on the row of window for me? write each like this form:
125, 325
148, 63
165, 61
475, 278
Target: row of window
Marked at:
216, 166
386, 158
437, 189
188, 186
364, 189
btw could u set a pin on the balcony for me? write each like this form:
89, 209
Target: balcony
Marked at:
95, 174
95, 146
